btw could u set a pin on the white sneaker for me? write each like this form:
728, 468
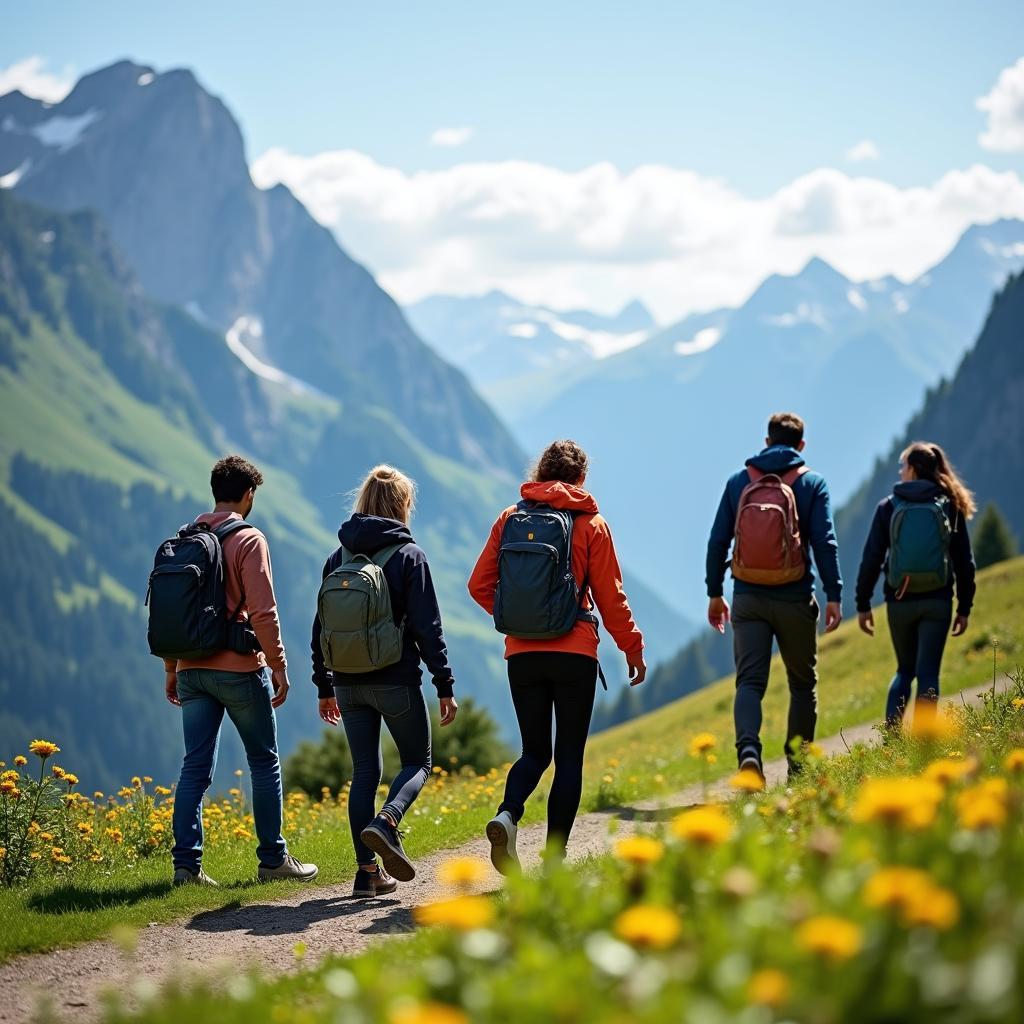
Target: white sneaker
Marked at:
501, 832
183, 876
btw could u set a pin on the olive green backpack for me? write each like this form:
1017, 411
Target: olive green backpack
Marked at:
357, 625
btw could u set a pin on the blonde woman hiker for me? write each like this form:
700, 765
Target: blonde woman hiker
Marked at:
919, 538
547, 562
377, 619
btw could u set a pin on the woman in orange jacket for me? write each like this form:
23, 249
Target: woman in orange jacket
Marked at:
559, 674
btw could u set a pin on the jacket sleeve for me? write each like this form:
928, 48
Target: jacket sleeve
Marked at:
963, 566
605, 579
423, 618
258, 587
483, 581
323, 677
823, 543
876, 547
718, 545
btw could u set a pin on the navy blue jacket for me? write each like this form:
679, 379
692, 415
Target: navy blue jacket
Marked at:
814, 511
412, 599
876, 552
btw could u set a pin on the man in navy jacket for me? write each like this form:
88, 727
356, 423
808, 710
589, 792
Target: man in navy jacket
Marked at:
787, 613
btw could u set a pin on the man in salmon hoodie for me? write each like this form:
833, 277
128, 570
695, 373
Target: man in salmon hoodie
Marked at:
559, 674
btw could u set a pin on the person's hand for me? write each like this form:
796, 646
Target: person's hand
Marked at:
960, 625
171, 687
449, 709
718, 613
833, 616
279, 680
329, 710
866, 621
637, 668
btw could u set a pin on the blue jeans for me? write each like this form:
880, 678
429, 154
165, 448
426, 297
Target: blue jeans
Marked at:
918, 629
403, 710
205, 695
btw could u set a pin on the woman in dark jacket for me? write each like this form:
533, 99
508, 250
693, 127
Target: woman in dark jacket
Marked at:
919, 620
392, 695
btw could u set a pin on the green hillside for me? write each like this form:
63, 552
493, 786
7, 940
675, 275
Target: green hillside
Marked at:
854, 674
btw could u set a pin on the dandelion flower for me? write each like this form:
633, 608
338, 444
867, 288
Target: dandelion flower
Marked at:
21, 760
1015, 760
462, 872
946, 770
976, 811
639, 850
832, 938
649, 926
464, 913
906, 802
931, 724
702, 743
70, 779
934, 907
427, 1013
768, 987
706, 826
8, 787
43, 748
747, 781
896, 887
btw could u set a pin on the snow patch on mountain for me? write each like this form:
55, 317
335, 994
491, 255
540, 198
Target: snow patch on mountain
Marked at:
65, 132
250, 329
12, 178
805, 313
700, 342
523, 330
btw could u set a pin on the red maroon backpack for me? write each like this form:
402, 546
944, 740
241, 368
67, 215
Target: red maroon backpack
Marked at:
768, 548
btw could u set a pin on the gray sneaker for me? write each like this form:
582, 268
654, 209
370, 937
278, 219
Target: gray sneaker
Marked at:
183, 876
289, 868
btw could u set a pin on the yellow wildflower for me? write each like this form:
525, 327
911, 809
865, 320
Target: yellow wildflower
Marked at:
909, 802
58, 772
43, 748
427, 1013
1018, 702
462, 872
931, 724
21, 760
639, 849
9, 776
84, 828
706, 826
136, 781
768, 987
8, 787
70, 779
977, 810
147, 778
947, 770
832, 938
701, 744
1015, 760
115, 835
747, 781
464, 913
934, 907
649, 926
162, 791
895, 887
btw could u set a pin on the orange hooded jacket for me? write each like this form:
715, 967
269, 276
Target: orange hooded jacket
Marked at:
593, 557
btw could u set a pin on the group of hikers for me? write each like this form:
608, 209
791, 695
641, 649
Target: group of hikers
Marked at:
546, 571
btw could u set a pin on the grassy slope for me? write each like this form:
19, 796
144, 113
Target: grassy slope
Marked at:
854, 673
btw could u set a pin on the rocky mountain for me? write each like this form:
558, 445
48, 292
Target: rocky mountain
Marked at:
667, 420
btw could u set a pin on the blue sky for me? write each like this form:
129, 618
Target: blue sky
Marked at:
752, 95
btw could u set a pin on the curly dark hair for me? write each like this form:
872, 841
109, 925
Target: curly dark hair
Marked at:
232, 476
562, 460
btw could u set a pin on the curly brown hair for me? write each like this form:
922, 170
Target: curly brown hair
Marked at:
232, 477
562, 460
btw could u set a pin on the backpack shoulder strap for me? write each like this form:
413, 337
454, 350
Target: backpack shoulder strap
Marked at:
793, 475
225, 530
382, 557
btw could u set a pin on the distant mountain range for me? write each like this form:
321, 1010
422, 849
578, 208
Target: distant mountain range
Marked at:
977, 416
186, 314
666, 420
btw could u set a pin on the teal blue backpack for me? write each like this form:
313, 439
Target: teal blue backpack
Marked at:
919, 538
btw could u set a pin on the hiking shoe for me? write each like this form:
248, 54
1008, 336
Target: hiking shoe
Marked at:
501, 833
184, 876
289, 868
373, 883
385, 840
752, 763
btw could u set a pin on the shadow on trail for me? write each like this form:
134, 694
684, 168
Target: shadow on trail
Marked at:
646, 813
67, 899
282, 919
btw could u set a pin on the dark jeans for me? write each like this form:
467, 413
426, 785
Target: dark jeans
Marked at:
918, 630
403, 710
205, 695
543, 683
757, 619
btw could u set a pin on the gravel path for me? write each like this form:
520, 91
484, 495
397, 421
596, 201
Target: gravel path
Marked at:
326, 919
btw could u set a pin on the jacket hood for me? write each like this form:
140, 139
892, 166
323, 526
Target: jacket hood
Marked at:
559, 495
917, 490
779, 458
363, 535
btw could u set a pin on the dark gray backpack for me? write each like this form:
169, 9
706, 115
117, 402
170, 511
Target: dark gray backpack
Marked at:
537, 597
357, 624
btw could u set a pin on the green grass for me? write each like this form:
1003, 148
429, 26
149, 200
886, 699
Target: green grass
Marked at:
854, 673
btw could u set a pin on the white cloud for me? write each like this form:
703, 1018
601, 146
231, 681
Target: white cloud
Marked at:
451, 137
29, 75
598, 237
863, 150
1004, 105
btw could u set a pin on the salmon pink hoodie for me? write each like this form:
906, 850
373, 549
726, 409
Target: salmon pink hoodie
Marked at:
593, 557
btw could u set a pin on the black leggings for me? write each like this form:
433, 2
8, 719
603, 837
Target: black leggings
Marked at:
543, 682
